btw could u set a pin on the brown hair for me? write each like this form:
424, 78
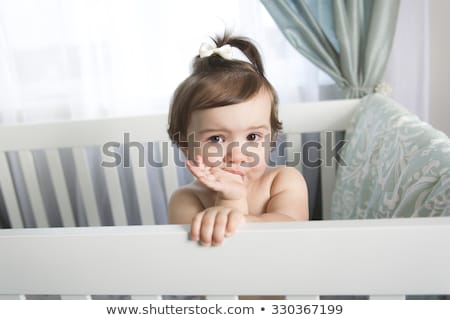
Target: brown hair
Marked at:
216, 81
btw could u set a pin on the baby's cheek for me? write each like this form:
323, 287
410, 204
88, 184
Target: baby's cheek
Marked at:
212, 154
255, 157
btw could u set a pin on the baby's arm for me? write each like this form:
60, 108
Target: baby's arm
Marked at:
288, 198
183, 206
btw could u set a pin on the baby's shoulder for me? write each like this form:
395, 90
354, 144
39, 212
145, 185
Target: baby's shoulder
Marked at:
193, 192
184, 203
285, 177
284, 172
194, 189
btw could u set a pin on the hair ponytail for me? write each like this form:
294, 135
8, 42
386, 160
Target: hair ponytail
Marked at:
246, 46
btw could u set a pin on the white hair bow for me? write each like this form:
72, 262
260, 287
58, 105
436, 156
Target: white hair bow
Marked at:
207, 49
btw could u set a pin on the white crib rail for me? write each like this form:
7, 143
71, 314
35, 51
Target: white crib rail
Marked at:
80, 133
358, 257
317, 116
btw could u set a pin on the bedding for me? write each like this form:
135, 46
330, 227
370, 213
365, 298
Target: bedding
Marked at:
394, 165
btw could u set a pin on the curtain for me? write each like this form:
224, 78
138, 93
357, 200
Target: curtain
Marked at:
407, 71
78, 59
348, 39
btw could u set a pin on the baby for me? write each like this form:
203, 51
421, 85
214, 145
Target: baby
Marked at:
224, 119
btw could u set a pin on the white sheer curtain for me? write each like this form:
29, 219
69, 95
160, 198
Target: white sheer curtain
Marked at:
407, 72
72, 59
69, 59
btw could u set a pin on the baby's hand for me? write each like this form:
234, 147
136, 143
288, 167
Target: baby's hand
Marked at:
230, 186
212, 225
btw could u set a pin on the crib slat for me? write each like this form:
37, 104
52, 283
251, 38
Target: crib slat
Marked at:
139, 297
75, 297
143, 193
33, 188
294, 151
209, 297
87, 190
115, 194
312, 297
12, 297
60, 187
169, 170
327, 171
387, 297
9, 194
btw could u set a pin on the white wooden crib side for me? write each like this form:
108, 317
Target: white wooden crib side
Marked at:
299, 117
317, 116
358, 257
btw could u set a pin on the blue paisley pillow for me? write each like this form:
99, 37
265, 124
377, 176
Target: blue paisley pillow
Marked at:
395, 165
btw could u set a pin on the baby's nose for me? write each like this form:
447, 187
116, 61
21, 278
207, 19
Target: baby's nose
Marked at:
234, 153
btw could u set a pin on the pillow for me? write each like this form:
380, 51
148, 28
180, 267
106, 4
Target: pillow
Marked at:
394, 165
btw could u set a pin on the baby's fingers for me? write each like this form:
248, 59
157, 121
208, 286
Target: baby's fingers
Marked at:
235, 219
211, 182
220, 226
209, 226
195, 169
199, 170
205, 176
196, 225
202, 226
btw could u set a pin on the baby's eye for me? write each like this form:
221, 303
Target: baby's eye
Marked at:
215, 139
252, 137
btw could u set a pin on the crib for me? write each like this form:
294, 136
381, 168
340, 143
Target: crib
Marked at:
383, 258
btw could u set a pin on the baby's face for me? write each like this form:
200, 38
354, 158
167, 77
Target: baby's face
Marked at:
235, 138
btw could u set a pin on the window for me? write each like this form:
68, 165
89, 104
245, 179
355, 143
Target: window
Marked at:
69, 59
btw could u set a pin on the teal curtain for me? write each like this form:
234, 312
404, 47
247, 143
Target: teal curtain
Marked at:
350, 40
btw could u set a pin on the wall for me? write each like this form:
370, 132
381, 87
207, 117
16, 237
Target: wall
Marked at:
439, 112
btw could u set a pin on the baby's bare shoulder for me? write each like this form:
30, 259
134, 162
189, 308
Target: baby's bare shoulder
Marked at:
285, 177
191, 190
184, 203
283, 172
